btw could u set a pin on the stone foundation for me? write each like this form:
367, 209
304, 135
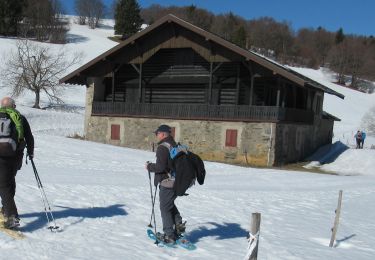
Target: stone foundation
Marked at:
206, 138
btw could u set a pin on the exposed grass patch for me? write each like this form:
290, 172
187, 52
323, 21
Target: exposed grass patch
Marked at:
299, 167
77, 136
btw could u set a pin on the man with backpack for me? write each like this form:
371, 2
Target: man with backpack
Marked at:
358, 139
171, 218
15, 135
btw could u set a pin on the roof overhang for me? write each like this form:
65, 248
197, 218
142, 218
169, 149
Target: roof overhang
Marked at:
327, 115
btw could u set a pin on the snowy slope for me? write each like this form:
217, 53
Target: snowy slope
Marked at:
350, 110
101, 199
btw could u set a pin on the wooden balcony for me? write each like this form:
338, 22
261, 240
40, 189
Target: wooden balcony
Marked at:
203, 112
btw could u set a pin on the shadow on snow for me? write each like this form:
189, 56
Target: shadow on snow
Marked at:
75, 38
338, 241
82, 213
220, 231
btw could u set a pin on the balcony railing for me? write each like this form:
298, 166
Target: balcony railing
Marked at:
203, 112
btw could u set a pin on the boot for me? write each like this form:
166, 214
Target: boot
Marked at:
12, 222
180, 228
168, 239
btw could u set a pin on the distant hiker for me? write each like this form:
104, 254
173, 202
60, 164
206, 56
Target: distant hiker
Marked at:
15, 135
171, 218
363, 139
358, 139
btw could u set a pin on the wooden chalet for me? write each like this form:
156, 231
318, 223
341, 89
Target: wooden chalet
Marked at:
228, 104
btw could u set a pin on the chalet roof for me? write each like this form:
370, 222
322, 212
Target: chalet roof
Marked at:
327, 115
76, 77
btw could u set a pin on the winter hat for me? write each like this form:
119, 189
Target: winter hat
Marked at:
163, 128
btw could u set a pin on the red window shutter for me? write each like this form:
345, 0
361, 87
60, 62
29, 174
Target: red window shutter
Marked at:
231, 138
173, 132
115, 132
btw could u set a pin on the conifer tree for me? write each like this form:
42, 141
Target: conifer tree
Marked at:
239, 37
339, 38
10, 15
127, 17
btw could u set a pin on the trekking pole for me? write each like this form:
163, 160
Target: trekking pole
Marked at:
153, 214
153, 207
153, 204
152, 199
47, 208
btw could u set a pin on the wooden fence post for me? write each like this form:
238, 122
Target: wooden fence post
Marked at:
252, 253
337, 218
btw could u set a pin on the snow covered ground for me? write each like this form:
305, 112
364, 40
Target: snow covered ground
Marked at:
101, 198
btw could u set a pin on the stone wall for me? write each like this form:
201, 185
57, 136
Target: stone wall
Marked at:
206, 138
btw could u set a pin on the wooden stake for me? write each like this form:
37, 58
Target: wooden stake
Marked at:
254, 230
337, 218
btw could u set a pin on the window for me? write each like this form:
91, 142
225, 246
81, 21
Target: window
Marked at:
231, 138
115, 132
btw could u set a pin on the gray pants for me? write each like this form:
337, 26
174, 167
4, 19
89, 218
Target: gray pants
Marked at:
8, 186
169, 212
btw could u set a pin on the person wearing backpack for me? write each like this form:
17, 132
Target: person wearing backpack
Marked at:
15, 135
358, 139
171, 218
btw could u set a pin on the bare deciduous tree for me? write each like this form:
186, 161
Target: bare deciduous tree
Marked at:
368, 121
96, 12
338, 60
91, 11
81, 9
35, 67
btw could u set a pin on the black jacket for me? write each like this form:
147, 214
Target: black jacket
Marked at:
27, 142
162, 166
28, 136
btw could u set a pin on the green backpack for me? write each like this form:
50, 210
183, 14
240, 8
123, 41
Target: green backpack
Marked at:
11, 131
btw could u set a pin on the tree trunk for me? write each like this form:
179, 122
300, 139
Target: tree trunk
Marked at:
355, 80
341, 78
37, 99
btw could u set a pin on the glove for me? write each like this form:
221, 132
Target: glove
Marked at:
146, 165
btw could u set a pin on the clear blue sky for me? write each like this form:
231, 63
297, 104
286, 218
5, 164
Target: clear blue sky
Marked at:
354, 16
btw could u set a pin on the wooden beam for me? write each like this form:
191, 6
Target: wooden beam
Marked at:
217, 67
249, 66
238, 81
113, 86
210, 84
278, 98
135, 67
278, 92
251, 90
140, 84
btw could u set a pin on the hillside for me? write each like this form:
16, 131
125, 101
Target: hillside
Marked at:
101, 198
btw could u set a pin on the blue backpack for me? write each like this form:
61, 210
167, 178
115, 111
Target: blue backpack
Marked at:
186, 168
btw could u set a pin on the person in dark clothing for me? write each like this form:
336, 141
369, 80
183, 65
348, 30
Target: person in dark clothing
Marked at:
9, 165
171, 218
358, 139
